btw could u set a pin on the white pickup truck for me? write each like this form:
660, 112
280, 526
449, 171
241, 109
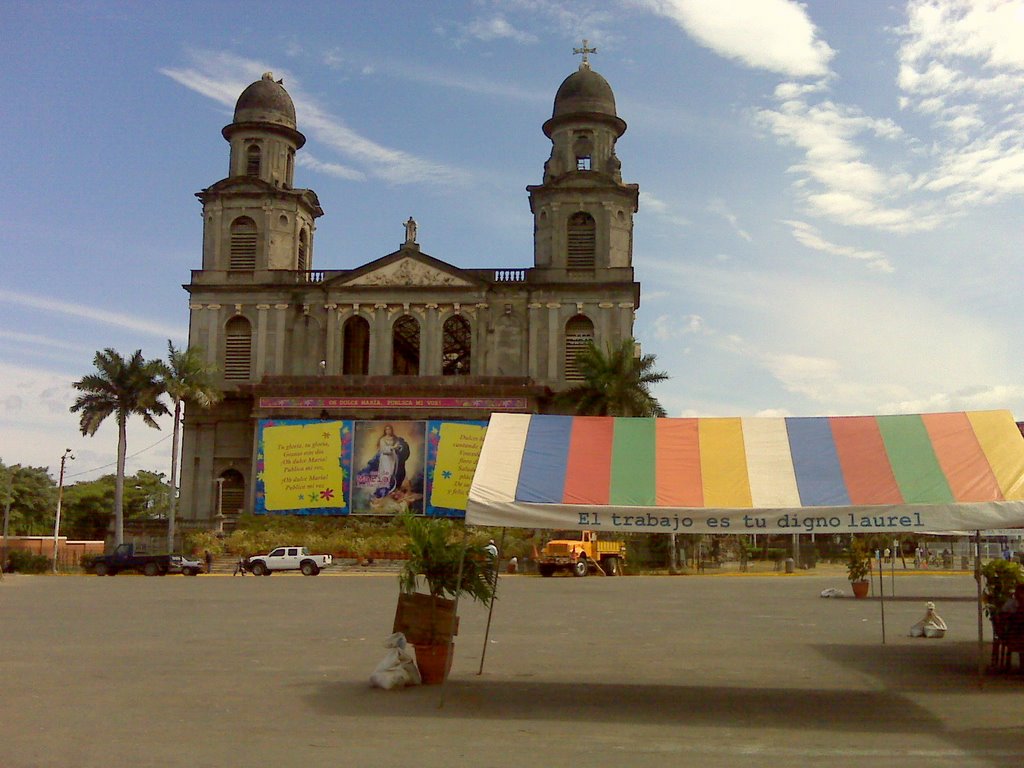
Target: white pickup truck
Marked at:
288, 559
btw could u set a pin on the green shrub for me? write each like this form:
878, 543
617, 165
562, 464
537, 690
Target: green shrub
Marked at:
1001, 578
20, 561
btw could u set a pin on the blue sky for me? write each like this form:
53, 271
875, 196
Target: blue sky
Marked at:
829, 192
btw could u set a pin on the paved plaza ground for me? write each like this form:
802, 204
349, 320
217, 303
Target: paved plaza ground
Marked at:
637, 671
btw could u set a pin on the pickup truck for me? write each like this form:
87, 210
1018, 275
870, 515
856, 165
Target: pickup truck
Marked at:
288, 559
124, 558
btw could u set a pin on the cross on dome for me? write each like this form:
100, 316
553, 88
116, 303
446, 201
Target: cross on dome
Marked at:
585, 50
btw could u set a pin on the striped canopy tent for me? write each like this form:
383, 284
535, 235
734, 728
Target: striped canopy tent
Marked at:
861, 474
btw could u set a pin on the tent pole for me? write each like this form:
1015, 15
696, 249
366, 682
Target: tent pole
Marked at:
881, 590
981, 626
490, 606
455, 608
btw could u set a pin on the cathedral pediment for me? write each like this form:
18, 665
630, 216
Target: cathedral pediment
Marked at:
408, 270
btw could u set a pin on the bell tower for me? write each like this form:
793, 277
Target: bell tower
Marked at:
255, 219
583, 213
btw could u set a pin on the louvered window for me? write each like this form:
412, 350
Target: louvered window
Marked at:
579, 332
581, 240
237, 349
243, 244
303, 250
252, 161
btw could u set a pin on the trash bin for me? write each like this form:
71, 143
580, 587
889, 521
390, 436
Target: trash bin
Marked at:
790, 565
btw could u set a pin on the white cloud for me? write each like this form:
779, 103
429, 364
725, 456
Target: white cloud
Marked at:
809, 236
36, 426
850, 347
662, 209
497, 28
223, 77
719, 208
961, 64
774, 35
306, 160
103, 316
675, 326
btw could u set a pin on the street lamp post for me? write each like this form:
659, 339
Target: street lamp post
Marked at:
220, 504
60, 497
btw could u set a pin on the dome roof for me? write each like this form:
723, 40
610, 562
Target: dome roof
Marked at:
265, 101
584, 91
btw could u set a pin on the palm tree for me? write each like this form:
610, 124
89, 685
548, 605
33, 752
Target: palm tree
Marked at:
188, 379
615, 383
124, 388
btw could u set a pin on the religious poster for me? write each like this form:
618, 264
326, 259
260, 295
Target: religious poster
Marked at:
389, 462
301, 466
342, 467
453, 448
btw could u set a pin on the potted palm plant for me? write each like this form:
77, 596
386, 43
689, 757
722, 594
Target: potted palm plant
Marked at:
858, 566
427, 618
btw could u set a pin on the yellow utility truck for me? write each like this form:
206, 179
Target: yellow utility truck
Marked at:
582, 553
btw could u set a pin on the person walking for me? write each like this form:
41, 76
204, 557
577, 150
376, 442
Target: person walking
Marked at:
240, 568
209, 560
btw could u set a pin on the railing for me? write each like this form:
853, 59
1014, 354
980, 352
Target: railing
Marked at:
510, 275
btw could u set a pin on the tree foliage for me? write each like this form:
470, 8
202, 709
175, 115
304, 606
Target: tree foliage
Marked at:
615, 382
121, 388
188, 379
33, 497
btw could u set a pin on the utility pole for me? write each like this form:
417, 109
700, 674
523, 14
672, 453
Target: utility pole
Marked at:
7, 514
60, 497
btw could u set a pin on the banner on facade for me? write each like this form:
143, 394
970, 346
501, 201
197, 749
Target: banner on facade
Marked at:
347, 467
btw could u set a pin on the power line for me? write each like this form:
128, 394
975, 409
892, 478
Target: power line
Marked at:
114, 463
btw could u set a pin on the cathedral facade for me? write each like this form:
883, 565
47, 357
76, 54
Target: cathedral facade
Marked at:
406, 335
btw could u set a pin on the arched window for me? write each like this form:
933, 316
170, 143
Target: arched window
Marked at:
253, 156
303, 264
243, 244
405, 347
231, 493
290, 180
581, 240
579, 332
356, 353
237, 349
583, 149
457, 346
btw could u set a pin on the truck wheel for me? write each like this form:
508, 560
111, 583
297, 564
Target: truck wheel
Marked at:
151, 569
546, 569
258, 569
612, 566
188, 571
309, 569
101, 569
580, 568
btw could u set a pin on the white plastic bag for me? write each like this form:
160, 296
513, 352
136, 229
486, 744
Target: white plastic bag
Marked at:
398, 668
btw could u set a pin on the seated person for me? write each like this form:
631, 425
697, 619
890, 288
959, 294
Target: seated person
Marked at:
1012, 615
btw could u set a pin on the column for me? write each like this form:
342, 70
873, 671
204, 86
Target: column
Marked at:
331, 342
431, 342
212, 325
554, 337
533, 353
279, 333
605, 332
261, 340
380, 342
625, 319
